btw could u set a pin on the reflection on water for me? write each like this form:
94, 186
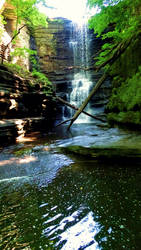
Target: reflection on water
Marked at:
87, 206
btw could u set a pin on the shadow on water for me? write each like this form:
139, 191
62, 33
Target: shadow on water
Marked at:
49, 201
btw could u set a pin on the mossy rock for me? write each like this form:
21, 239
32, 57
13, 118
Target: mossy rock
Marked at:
106, 153
23, 151
128, 118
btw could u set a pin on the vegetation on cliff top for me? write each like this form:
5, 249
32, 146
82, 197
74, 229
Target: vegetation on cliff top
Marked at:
26, 10
119, 21
26, 14
35, 78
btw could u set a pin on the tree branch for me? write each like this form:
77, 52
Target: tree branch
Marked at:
76, 108
84, 104
121, 47
63, 122
6, 47
79, 67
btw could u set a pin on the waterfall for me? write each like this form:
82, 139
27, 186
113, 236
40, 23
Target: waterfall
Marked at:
81, 84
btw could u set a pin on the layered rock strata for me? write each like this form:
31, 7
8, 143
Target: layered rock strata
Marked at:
22, 104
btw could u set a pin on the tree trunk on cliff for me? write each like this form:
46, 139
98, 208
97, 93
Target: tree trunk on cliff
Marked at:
5, 47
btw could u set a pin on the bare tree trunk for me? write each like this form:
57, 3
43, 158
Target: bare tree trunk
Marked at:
118, 50
84, 104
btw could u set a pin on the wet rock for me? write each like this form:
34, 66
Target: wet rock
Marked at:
13, 129
8, 132
106, 153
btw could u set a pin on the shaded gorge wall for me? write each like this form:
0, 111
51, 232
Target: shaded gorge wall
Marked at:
124, 106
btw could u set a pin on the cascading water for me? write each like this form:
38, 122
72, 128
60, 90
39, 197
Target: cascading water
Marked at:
81, 83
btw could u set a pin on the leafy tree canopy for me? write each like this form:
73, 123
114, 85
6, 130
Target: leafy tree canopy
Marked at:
117, 20
26, 14
26, 10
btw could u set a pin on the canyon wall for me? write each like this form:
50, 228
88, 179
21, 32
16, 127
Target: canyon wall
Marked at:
124, 105
7, 28
54, 53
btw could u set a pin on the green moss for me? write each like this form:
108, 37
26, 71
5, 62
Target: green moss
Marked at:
17, 69
124, 104
33, 78
23, 151
105, 153
129, 117
41, 78
127, 97
127, 64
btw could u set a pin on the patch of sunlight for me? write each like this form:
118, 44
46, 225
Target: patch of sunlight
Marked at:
81, 234
2, 122
7, 162
22, 138
13, 160
2, 3
27, 159
13, 104
6, 38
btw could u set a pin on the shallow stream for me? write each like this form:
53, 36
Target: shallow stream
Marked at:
53, 201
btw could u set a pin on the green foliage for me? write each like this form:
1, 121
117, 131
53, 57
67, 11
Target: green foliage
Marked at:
127, 97
130, 117
23, 52
34, 77
27, 11
41, 78
116, 20
17, 69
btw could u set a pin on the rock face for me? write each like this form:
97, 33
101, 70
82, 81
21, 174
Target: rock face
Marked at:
7, 31
19, 99
63, 49
55, 55
23, 107
54, 52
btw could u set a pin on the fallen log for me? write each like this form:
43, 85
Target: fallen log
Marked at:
76, 108
84, 104
118, 51
80, 67
63, 122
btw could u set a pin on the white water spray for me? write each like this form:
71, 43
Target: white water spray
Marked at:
81, 83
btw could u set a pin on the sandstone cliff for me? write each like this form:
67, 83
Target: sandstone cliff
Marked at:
7, 30
54, 53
